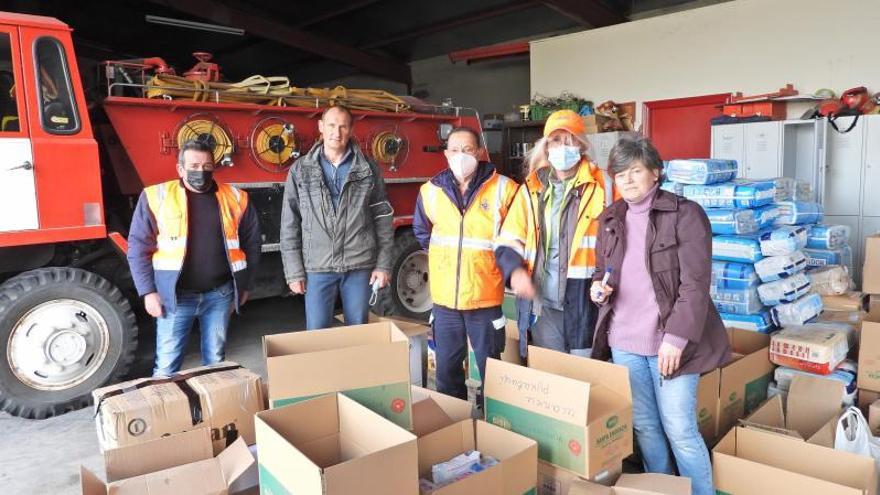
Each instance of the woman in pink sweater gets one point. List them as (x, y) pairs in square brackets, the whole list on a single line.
[(656, 316)]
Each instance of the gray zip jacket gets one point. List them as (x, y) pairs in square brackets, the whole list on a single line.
[(316, 237)]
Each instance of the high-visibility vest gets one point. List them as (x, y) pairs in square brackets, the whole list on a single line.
[(462, 273), (521, 230), (167, 202)]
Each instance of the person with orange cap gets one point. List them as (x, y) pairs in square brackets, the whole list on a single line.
[(546, 247)]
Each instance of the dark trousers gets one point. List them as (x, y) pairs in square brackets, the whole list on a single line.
[(452, 329)]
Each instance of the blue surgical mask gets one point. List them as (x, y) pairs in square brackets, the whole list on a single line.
[(564, 157)]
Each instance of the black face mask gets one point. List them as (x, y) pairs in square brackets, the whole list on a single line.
[(200, 180)]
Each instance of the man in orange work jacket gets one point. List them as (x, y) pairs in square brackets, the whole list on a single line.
[(546, 247), (457, 217), (193, 249)]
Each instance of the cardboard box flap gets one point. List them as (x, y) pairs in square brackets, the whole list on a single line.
[(652, 483), (770, 416), (825, 435), (235, 460), (90, 484), (331, 338), (409, 326), (444, 444), (612, 376), (499, 442), (319, 413), (796, 456), (372, 432), (580, 487), (155, 455), (197, 478), (811, 402), (746, 341), (523, 387), (432, 410)]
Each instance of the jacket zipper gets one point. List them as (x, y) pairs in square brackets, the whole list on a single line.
[(650, 269), (463, 211)]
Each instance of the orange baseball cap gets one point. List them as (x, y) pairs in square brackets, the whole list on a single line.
[(564, 119)]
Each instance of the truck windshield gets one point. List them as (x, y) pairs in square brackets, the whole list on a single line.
[(57, 106)]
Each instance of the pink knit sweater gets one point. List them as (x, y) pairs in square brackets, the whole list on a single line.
[(635, 319)]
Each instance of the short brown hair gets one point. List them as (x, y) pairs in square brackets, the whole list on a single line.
[(631, 149), (467, 130)]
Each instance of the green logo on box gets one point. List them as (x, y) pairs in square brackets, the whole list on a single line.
[(756, 393), (732, 397), (389, 401), (703, 413), (612, 422), (269, 485)]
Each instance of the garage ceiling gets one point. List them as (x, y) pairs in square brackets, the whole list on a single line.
[(318, 41)]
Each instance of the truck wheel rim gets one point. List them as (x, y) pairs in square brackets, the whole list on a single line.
[(58, 345), (412, 283)]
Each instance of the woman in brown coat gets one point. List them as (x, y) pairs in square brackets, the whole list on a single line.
[(656, 316)]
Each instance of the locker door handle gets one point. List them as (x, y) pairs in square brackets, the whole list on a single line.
[(26, 166)]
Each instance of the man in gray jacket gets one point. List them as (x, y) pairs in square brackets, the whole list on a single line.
[(336, 225)]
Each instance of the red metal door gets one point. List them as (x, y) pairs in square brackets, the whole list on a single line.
[(680, 128)]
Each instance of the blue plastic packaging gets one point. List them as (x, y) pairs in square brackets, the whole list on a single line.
[(759, 322), (738, 301), (701, 171), (775, 268), (739, 249), (823, 257), (798, 213), (828, 236), (732, 221), (673, 187), (728, 275), (799, 312), (783, 240), (731, 194), (784, 291)]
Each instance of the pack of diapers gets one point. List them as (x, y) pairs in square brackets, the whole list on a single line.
[(729, 275), (799, 312), (828, 236), (738, 301), (740, 249), (784, 240), (701, 171), (759, 322), (798, 213), (731, 194), (784, 291), (775, 268)]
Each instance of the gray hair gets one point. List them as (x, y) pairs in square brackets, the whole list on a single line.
[(195, 145), (631, 149)]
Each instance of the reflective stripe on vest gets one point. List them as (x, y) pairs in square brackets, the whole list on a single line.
[(167, 202)]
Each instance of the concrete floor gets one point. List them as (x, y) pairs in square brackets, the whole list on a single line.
[(44, 456)]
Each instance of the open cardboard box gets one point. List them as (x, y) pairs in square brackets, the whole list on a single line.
[(517, 456), (579, 410), (432, 410), (813, 407), (178, 463), (369, 363), (751, 461), (636, 484), (742, 382), (333, 445), (144, 409), (871, 272)]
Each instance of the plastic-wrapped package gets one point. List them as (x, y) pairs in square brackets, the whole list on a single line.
[(846, 373), (731, 194), (701, 171), (737, 301), (732, 221), (798, 213), (739, 249), (799, 312), (783, 240), (788, 189), (759, 322), (824, 257), (774, 268), (783, 291), (831, 280), (828, 236), (816, 348), (673, 187), (728, 275)]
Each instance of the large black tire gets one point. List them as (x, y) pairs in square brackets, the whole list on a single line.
[(405, 295), (93, 299)]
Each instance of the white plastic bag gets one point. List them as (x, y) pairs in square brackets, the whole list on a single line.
[(853, 435)]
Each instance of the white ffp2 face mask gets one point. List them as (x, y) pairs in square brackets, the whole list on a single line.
[(564, 157), (462, 165)]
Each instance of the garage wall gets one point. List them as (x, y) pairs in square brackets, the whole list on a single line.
[(490, 87), (753, 46)]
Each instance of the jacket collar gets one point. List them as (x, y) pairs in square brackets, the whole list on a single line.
[(663, 201), (538, 179), (359, 163)]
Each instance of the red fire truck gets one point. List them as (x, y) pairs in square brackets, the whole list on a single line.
[(71, 170)]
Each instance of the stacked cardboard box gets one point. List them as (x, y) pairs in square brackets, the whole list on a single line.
[(636, 484)]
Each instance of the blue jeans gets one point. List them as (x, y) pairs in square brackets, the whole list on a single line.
[(322, 289), (212, 309), (664, 416), (452, 329)]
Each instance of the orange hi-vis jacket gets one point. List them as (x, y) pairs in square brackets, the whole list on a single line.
[(167, 203), (461, 259)]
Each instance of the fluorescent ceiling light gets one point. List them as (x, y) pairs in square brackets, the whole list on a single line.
[(201, 26)]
